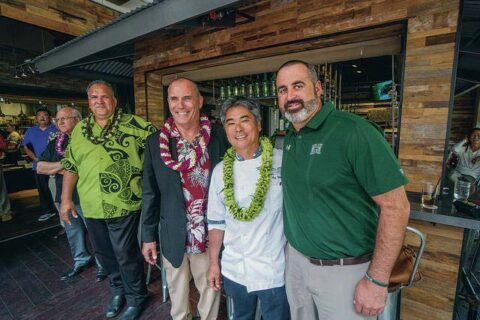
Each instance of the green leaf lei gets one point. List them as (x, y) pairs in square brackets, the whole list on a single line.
[(250, 213), (107, 132)]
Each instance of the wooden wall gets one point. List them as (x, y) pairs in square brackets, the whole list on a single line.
[(73, 17), (433, 297)]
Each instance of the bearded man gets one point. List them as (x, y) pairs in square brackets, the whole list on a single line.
[(345, 207)]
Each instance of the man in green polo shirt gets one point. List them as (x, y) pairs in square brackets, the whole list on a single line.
[(345, 207), (105, 158)]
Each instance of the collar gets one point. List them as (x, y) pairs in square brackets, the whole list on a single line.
[(256, 154), (318, 119)]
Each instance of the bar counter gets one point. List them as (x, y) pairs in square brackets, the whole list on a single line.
[(446, 214)]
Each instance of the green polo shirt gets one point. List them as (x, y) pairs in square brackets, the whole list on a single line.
[(110, 173), (331, 169)]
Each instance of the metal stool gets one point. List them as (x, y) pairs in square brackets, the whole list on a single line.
[(159, 266), (392, 307)]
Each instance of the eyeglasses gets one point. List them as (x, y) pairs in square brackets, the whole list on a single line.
[(63, 119)]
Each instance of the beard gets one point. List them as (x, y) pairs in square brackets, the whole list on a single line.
[(301, 114)]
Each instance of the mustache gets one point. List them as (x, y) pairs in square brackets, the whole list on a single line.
[(290, 102)]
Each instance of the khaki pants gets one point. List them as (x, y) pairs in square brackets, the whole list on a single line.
[(325, 293), (178, 281)]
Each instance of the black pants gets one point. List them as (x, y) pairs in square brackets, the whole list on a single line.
[(116, 246), (46, 200)]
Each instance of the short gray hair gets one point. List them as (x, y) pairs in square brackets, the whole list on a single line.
[(310, 67), (76, 113), (248, 103), (102, 82)]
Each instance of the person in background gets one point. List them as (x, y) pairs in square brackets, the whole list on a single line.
[(245, 215), (466, 157), (34, 143), (345, 207), (14, 141), (5, 208), (178, 163), (105, 156), (49, 163)]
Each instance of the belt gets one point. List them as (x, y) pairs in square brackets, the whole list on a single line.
[(342, 262)]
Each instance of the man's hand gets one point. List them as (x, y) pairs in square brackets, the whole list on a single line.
[(214, 277), (149, 251), (369, 298), (66, 208)]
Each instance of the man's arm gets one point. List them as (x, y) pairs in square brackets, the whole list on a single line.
[(30, 153), (394, 213), (67, 206), (45, 167), (215, 240)]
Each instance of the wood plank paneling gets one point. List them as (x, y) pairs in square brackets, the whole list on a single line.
[(433, 296), (73, 17)]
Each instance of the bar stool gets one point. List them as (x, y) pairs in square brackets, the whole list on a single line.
[(392, 307)]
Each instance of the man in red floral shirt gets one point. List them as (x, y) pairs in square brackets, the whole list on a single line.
[(178, 163)]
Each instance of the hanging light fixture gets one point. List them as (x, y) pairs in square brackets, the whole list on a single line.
[(22, 115)]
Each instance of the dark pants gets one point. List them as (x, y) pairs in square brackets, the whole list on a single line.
[(273, 302), (46, 200), (116, 247)]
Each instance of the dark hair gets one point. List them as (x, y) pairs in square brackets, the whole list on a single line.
[(43, 110), (472, 131), (102, 82), (250, 104), (310, 67)]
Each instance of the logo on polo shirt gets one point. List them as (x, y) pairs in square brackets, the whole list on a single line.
[(316, 148), (288, 147)]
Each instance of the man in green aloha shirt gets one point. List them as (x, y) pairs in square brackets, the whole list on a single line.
[(105, 158), (345, 207)]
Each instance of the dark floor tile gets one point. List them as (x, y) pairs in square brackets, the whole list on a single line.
[(4, 313), (11, 294)]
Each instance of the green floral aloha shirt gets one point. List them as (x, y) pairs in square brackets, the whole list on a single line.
[(109, 173)]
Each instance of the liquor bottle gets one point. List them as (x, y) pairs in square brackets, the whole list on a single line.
[(222, 91), (242, 89), (250, 89), (229, 89), (265, 86), (256, 87), (273, 87), (236, 88)]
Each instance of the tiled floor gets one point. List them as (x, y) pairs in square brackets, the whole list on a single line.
[(30, 285)]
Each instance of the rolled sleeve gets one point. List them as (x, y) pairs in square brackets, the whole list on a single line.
[(68, 162), (217, 210)]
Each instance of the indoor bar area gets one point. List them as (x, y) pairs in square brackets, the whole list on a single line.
[(410, 68)]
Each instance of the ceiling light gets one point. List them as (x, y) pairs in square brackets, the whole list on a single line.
[(359, 71), (354, 65)]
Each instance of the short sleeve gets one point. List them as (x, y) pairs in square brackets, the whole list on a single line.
[(373, 161), (216, 211), (68, 162)]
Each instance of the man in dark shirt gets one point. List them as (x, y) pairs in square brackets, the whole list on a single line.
[(49, 164)]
